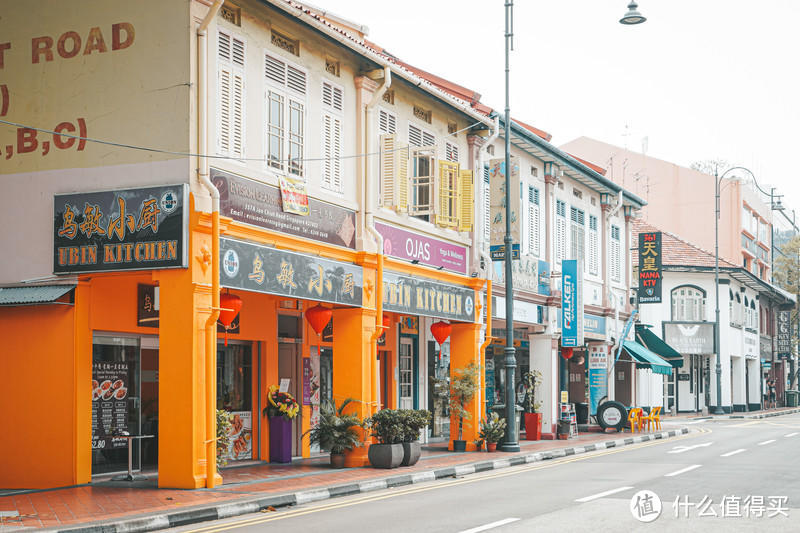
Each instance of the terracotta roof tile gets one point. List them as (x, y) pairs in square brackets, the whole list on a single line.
[(675, 251), (600, 170)]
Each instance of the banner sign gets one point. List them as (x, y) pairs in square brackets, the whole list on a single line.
[(257, 268), (259, 204), (241, 436), (594, 324), (489, 364), (598, 375), (110, 382), (650, 274), (690, 338), (147, 304), (571, 303), (524, 273), (129, 229), (784, 339), (419, 296), (427, 251), (497, 204), (294, 195)]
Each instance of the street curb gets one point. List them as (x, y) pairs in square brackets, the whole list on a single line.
[(768, 414), (253, 505)]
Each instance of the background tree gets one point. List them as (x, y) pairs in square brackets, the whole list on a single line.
[(787, 277), (708, 166)]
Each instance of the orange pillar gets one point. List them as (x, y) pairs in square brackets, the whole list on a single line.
[(465, 343), (185, 301), (353, 367), (83, 384)]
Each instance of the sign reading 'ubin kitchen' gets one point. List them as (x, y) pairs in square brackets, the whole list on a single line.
[(418, 296), (650, 267), (571, 303), (131, 229)]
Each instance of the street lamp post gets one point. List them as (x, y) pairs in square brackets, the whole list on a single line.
[(511, 439)]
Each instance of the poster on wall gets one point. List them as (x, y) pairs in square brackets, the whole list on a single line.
[(598, 375), (294, 196), (109, 404), (241, 436)]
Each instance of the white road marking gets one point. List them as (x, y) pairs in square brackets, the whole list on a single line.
[(734, 452), (682, 470), (601, 494), (681, 449), (791, 434), (490, 526), (766, 442)]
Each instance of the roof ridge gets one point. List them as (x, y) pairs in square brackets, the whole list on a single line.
[(684, 241)]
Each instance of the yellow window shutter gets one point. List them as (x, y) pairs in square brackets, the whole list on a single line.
[(466, 200), (447, 201), (401, 176), (387, 168)]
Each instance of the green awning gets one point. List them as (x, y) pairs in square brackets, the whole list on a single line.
[(34, 294), (646, 358), (655, 344)]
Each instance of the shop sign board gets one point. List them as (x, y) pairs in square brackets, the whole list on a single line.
[(525, 312), (524, 274), (257, 268), (497, 205), (427, 251), (571, 303), (690, 338), (423, 297), (260, 204), (684, 377), (650, 274), (129, 229), (240, 434), (147, 305), (594, 324), (110, 403), (543, 275), (598, 375), (784, 338)]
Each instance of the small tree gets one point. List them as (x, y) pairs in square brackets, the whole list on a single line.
[(463, 387), (787, 276), (531, 380), (223, 437)]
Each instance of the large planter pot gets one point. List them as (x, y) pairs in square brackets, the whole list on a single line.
[(533, 426), (459, 445), (385, 455), (337, 460), (411, 453), (280, 440)]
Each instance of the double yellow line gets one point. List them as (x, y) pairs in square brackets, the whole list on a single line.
[(472, 479)]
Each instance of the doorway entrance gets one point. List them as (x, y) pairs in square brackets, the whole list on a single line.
[(289, 369)]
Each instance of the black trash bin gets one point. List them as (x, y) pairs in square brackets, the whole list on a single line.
[(582, 413)]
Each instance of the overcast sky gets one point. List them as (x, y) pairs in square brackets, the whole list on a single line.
[(701, 79)]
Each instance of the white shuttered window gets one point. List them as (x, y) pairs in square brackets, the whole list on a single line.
[(534, 221), (561, 230), (577, 234), (286, 115), (593, 246), (487, 207), (333, 106), (230, 95), (616, 255)]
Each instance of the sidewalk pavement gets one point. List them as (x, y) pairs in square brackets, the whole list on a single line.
[(117, 506), (766, 413)]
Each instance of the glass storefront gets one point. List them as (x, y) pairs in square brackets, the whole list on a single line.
[(438, 389), (235, 395)]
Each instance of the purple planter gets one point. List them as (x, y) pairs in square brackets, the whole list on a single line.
[(280, 440)]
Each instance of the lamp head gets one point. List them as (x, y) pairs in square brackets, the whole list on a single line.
[(632, 16)]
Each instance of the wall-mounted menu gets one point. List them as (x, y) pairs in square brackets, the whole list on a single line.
[(109, 404)]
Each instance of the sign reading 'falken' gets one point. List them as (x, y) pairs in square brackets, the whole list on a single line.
[(650, 274), (129, 229)]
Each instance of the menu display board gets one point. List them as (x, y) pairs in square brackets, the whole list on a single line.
[(110, 383), (241, 436)]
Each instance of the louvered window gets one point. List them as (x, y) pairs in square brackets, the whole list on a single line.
[(534, 222), (616, 254), (332, 96), (230, 95), (286, 115), (487, 206), (451, 152), (420, 137), (387, 122), (561, 230), (394, 172), (593, 246), (423, 183), (448, 214), (332, 148), (577, 233)]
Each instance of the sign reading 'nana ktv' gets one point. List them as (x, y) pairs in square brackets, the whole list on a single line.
[(257, 268), (418, 296), (130, 229), (650, 274)]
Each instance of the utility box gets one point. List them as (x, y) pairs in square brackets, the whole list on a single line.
[(792, 398)]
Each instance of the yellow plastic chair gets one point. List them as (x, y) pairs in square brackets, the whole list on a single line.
[(657, 417), (654, 418), (635, 419)]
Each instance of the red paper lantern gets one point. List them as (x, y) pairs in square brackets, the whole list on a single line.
[(566, 353), (441, 330), (230, 305), (318, 317)]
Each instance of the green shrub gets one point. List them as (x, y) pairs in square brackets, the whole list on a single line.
[(336, 431)]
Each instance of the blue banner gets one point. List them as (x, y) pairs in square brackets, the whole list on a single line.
[(571, 304), (598, 375)]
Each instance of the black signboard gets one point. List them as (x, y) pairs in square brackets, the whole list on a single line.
[(130, 229), (110, 382), (650, 274), (784, 338), (257, 268), (684, 377), (147, 306), (418, 296), (260, 204)]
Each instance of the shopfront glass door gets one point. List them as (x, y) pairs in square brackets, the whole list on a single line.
[(406, 374), (116, 403), (235, 395), (288, 368)]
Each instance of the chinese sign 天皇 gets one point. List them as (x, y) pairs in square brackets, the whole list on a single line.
[(650, 267), (132, 229), (253, 267)]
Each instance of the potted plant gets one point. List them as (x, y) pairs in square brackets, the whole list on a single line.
[(533, 419), (413, 421), (463, 387), (336, 432), (492, 430), (387, 427), (223, 437), (281, 409)]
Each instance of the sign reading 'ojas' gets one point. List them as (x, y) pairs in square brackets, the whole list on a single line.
[(425, 250)]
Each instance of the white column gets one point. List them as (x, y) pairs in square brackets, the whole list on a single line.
[(544, 358)]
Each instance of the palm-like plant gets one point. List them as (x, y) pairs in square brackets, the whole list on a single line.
[(336, 431)]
